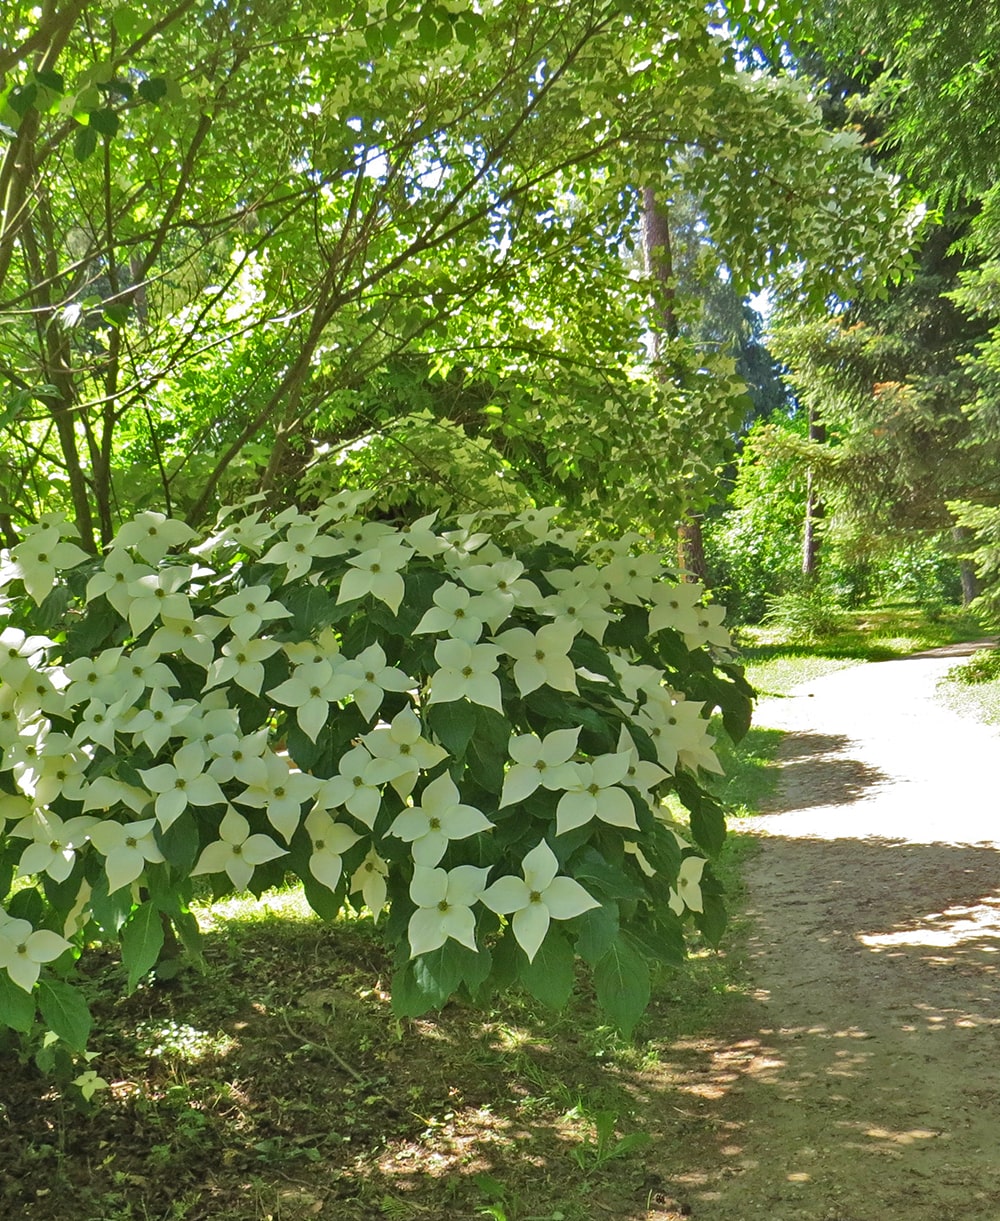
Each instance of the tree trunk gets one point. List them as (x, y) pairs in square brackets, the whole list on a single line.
[(815, 509), (659, 259), (971, 587)]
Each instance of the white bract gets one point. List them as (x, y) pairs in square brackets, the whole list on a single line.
[(537, 897), (126, 847), (540, 657), (596, 793), (687, 893), (401, 743), (23, 950), (467, 672), (441, 817), (236, 852), (330, 840), (539, 763), (444, 900)]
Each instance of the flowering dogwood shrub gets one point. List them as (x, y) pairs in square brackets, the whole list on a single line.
[(468, 733)]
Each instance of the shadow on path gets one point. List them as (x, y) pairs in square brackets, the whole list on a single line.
[(817, 770), (862, 1082)]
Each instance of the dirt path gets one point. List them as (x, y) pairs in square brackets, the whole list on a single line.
[(867, 1086)]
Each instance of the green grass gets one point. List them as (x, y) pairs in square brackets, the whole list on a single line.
[(972, 688)]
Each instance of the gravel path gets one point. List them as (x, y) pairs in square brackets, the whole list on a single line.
[(867, 1084)]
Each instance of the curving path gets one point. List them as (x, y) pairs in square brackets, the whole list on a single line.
[(866, 1083)]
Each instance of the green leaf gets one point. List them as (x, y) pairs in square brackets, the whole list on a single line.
[(65, 1012), (51, 80), (129, 22), (110, 911), (549, 977), (21, 98), (596, 931), (622, 982), (141, 941), (313, 608), (17, 1007), (190, 934), (154, 89), (84, 143), (439, 973), (94, 630), (708, 819), (180, 842), (453, 724), (713, 920), (104, 121), (408, 998)]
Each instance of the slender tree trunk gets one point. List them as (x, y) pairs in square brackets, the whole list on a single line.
[(815, 509), (659, 259), (971, 587)]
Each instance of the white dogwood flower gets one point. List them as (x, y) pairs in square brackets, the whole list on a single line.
[(540, 657), (242, 662), (157, 595), (126, 847), (441, 817), (444, 900), (153, 535), (455, 612), (537, 898), (376, 572), (248, 609), (595, 793), (357, 785), (687, 893), (181, 783), (401, 743), (281, 792), (539, 762), (467, 672), (330, 840), (38, 556), (55, 843), (368, 880), (236, 852), (24, 949)]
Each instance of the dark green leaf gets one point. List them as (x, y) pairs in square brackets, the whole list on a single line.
[(708, 820), (180, 843), (93, 631), (549, 976), (51, 614), (453, 724), (622, 982), (141, 941), (439, 973), (596, 930), (408, 998), (27, 905), (713, 920), (17, 1007), (110, 911), (104, 122), (153, 90), (65, 1012), (84, 143), (51, 80), (21, 98)]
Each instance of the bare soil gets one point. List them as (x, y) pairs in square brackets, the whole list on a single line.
[(863, 1080)]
